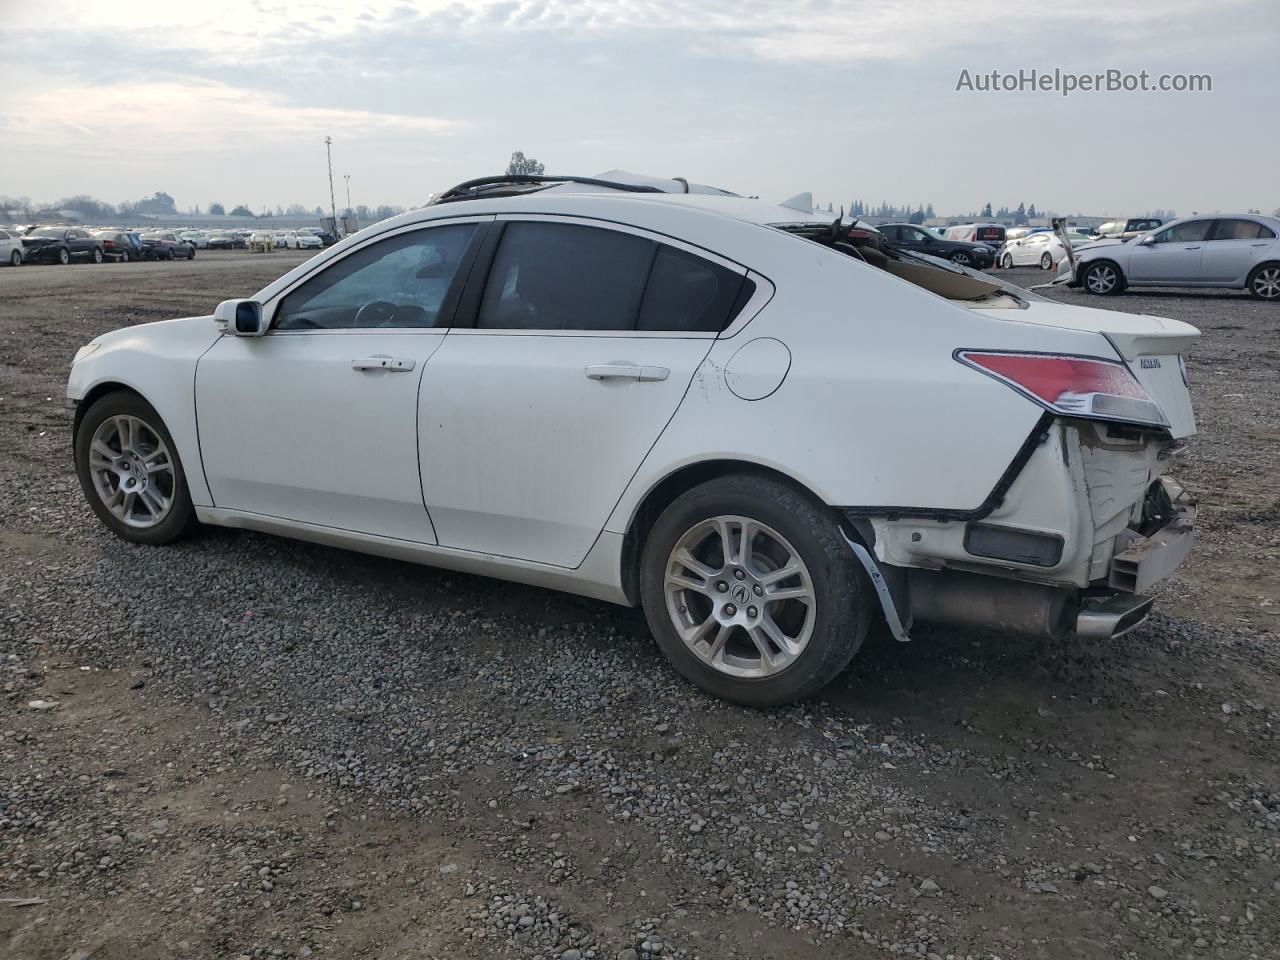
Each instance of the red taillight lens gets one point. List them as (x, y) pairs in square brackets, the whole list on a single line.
[(1071, 386)]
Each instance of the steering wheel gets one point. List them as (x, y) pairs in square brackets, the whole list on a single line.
[(375, 313)]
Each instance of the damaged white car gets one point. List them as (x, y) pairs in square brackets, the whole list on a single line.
[(767, 428)]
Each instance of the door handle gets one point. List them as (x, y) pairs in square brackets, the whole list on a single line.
[(626, 371), (389, 364), (1196, 247), (1264, 243)]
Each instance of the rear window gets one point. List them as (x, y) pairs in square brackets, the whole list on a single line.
[(990, 233)]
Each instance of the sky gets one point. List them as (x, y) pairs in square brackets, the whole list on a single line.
[(230, 101)]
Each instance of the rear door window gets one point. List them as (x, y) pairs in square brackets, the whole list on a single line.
[(688, 294), (1241, 230), (565, 276)]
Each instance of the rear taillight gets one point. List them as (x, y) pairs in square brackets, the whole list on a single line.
[(1086, 387)]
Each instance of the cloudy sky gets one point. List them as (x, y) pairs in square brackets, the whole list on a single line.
[(230, 101)]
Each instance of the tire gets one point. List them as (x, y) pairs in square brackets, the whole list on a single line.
[(1264, 281), (788, 527), (97, 255), (1046, 261), (1103, 278), (64, 256), (191, 254), (1007, 262), (135, 519), (960, 258), (15, 258), (124, 256)]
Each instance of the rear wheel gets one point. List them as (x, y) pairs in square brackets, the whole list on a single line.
[(124, 256), (1103, 279), (1264, 282), (130, 472), (752, 592), (15, 258), (191, 253), (97, 255)]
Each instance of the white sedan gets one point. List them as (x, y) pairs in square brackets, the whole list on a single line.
[(296, 240), (707, 405), (1037, 249)]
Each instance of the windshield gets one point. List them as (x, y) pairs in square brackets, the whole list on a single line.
[(47, 232)]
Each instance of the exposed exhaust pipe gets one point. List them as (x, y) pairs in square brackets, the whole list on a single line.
[(1113, 617), (992, 603)]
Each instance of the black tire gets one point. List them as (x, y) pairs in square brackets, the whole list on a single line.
[(1095, 277), (15, 258), (1263, 280), (962, 259), (1046, 261), (181, 515), (841, 593), (97, 255), (124, 256), (64, 256), (1007, 263), (191, 253)]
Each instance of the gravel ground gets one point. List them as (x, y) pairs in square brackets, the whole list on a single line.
[(241, 746)]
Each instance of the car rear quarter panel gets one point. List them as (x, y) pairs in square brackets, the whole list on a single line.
[(874, 411), (157, 361)]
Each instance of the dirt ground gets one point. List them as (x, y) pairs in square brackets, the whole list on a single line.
[(240, 746)]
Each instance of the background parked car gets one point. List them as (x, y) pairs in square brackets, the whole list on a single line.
[(1236, 252), (197, 238), (1128, 229), (297, 240), (908, 236), (1042, 249), (60, 245), (167, 246), (10, 248), (992, 234), (120, 245), (221, 240)]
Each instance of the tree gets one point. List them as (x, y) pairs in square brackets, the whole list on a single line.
[(158, 202), (928, 211), (296, 210), (242, 211), (88, 207), (1031, 211), (522, 166), (217, 210), (986, 211)]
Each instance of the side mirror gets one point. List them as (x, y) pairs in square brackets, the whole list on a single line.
[(241, 318), (1147, 241)]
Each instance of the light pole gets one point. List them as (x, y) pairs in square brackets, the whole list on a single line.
[(333, 204), (347, 177)]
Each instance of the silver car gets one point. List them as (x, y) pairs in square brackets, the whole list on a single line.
[(1239, 252)]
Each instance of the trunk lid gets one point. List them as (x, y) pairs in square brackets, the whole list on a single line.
[(1151, 346)]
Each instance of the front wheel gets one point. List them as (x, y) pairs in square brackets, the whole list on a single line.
[(64, 256), (130, 472), (752, 592), (124, 256), (15, 258), (97, 256), (191, 254), (1046, 261), (1007, 262), (962, 259), (1103, 279), (1264, 282)]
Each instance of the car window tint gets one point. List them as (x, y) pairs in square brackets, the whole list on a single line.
[(1240, 230), (688, 293), (892, 234), (1190, 232), (404, 277), (562, 276)]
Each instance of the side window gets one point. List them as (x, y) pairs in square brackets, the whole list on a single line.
[(564, 276), (1241, 230), (397, 282), (892, 234), (1190, 232), (688, 294)]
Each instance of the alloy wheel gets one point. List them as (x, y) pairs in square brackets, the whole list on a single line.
[(962, 259), (1267, 283), (132, 471), (1101, 279), (740, 596)]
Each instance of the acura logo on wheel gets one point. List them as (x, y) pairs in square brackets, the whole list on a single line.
[(741, 594)]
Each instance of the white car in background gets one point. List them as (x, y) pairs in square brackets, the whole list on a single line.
[(654, 393), (296, 240), (10, 248), (1238, 252), (197, 238)]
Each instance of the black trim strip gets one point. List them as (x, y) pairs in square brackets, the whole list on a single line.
[(1039, 433)]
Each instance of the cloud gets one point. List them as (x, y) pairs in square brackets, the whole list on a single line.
[(178, 117)]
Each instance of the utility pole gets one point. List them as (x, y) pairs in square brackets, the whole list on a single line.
[(347, 177), (333, 204)]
